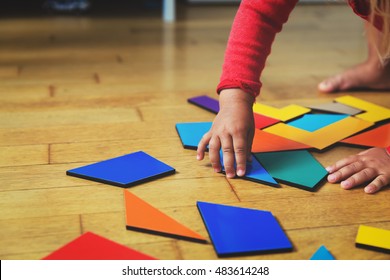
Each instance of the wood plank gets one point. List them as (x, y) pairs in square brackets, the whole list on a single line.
[(24, 155), (33, 237)]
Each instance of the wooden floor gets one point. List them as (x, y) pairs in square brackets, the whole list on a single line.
[(76, 90)]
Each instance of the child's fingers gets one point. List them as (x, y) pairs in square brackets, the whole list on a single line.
[(342, 163), (228, 156), (214, 148), (202, 146), (358, 178), (240, 153), (377, 184), (249, 145), (345, 171)]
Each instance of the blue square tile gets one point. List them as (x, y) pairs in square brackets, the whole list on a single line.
[(240, 231), (124, 171)]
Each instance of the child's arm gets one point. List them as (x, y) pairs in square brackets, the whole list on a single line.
[(253, 31), (371, 166)]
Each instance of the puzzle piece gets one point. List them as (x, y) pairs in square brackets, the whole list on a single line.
[(284, 114), (335, 107), (262, 121), (322, 254), (373, 238), (324, 137), (143, 217), (238, 231), (313, 122), (191, 133), (296, 168), (205, 102), (377, 137), (373, 112), (255, 172), (90, 246), (268, 142), (124, 171)]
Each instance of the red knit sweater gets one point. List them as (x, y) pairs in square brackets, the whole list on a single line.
[(252, 34)]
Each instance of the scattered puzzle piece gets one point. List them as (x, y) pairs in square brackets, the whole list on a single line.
[(373, 238), (191, 133), (335, 107), (373, 112), (322, 254), (262, 121), (377, 137), (143, 217), (284, 114), (124, 171), (255, 172), (239, 231), (313, 122), (268, 142), (205, 102), (324, 137), (90, 246), (296, 168)]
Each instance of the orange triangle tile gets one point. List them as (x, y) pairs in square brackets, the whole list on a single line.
[(141, 216), (268, 142), (377, 137)]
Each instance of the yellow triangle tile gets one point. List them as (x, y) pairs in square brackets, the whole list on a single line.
[(323, 137), (284, 114), (373, 237), (373, 112)]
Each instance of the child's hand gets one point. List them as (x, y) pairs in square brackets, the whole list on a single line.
[(370, 165), (232, 131)]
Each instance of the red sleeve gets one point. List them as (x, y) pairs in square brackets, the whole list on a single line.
[(388, 150), (253, 32), (363, 10)]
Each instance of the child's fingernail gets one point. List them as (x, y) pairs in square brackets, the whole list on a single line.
[(240, 172), (331, 177), (345, 184), (370, 189), (329, 169)]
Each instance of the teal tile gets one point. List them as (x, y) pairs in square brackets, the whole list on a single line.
[(296, 168)]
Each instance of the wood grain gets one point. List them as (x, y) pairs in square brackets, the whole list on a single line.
[(77, 90)]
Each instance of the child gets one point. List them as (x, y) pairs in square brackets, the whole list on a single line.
[(253, 31)]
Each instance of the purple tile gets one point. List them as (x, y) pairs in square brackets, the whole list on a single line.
[(205, 102)]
